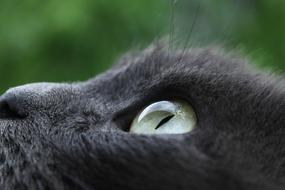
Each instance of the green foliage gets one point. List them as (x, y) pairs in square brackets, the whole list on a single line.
[(73, 40), (255, 28), (70, 40)]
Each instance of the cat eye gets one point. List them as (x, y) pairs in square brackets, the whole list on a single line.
[(165, 117)]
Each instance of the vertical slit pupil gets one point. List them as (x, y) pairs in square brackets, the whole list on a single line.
[(163, 121)]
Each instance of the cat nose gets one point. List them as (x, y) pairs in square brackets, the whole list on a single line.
[(21, 101), (11, 106)]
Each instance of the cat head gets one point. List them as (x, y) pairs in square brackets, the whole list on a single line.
[(76, 136)]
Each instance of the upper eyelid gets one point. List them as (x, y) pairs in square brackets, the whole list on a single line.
[(125, 116)]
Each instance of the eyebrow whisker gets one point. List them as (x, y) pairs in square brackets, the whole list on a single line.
[(190, 32), (172, 26)]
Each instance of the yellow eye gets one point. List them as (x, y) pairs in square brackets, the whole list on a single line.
[(165, 117)]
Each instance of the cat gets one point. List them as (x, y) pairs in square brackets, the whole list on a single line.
[(76, 136)]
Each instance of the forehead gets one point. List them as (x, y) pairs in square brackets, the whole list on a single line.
[(159, 65), (220, 86), (158, 69)]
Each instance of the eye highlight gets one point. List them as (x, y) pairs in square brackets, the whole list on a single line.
[(165, 117)]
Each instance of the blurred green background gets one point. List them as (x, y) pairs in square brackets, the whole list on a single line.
[(59, 40)]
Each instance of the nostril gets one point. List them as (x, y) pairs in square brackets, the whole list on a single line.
[(8, 110)]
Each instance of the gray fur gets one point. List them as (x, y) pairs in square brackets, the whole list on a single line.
[(75, 136)]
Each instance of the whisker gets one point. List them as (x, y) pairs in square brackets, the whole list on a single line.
[(190, 32), (226, 28), (172, 25)]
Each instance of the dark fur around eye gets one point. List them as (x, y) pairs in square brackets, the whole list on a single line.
[(75, 135)]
